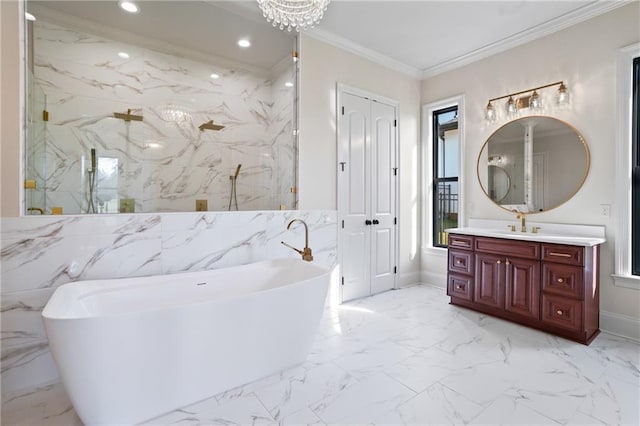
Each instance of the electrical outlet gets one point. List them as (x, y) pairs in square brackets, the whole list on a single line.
[(201, 205), (605, 210)]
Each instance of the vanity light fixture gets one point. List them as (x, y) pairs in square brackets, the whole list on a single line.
[(531, 100), (243, 42), (563, 95), (128, 6)]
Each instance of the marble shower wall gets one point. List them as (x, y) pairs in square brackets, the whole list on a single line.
[(40, 253), (164, 162)]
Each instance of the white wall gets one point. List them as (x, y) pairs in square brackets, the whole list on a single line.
[(322, 66), (584, 56)]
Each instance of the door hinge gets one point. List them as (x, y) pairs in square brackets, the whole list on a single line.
[(342, 280), (342, 163), (395, 123), (342, 110), (45, 115), (395, 269), (395, 220), (343, 224), (395, 171)]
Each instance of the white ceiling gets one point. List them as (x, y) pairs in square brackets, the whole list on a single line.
[(420, 38)]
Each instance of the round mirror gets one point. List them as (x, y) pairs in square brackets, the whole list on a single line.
[(533, 164)]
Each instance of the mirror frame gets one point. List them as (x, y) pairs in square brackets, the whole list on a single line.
[(580, 185)]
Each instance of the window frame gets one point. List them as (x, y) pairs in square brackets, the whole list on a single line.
[(635, 169), (427, 171), (436, 181), (623, 276)]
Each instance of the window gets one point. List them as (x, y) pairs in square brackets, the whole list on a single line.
[(445, 172), (627, 183), (635, 170)]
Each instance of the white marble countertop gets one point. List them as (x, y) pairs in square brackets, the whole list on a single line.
[(555, 233)]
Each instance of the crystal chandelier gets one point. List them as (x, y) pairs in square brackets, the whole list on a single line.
[(298, 14)]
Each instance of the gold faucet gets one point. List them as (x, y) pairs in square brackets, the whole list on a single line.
[(35, 209), (523, 226), (306, 252)]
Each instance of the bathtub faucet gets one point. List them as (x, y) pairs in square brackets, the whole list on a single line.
[(306, 252)]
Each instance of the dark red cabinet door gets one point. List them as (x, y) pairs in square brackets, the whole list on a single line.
[(489, 280), (522, 287)]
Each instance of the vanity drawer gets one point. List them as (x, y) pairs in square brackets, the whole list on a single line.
[(461, 261), (510, 248), (460, 286), (563, 280), (463, 242), (562, 312), (569, 255)]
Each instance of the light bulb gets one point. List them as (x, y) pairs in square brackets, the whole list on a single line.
[(534, 101), (512, 109), (490, 113), (563, 95)]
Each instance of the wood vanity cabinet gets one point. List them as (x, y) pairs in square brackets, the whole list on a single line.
[(550, 287)]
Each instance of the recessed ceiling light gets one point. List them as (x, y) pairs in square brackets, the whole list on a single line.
[(128, 6), (29, 17), (123, 55), (243, 42), (214, 75), (288, 84)]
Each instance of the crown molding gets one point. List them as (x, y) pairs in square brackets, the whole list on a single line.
[(582, 14), (364, 52), (554, 25)]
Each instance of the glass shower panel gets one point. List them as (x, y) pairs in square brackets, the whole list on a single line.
[(36, 149)]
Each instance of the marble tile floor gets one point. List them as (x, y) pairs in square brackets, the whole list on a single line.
[(408, 357)]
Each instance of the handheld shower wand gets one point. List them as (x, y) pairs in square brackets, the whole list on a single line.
[(234, 196), (91, 207)]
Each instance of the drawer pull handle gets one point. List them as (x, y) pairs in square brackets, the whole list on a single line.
[(559, 254), (458, 243), (507, 262), (560, 280), (499, 262), (459, 287), (559, 312), (458, 262)]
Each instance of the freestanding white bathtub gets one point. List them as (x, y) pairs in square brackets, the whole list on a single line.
[(132, 349)]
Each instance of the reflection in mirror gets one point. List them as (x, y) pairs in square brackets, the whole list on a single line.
[(499, 183), (533, 164), (158, 111)]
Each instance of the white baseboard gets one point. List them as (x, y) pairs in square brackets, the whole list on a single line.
[(438, 280), (620, 325), (409, 278)]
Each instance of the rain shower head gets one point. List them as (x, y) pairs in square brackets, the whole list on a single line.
[(210, 126), (127, 116)]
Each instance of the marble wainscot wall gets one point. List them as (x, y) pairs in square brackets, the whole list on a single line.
[(164, 162), (40, 253)]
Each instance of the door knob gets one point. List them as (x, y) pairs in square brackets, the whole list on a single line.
[(376, 221), (367, 222)]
